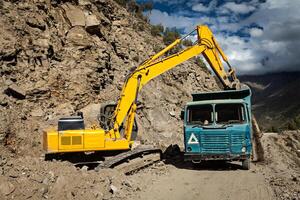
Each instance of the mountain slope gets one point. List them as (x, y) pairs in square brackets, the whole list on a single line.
[(275, 97), (57, 57)]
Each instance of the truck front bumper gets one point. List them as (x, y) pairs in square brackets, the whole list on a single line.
[(201, 157)]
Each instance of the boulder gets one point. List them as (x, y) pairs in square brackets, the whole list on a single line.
[(90, 114), (78, 37), (36, 21), (74, 14), (92, 24), (84, 2), (44, 43), (15, 91), (113, 189), (38, 112)]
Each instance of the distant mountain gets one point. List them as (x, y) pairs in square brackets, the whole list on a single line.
[(276, 98)]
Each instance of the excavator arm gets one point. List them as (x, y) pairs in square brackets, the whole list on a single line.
[(71, 135), (157, 65), (117, 127)]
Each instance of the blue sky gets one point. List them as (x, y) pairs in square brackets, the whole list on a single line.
[(258, 36)]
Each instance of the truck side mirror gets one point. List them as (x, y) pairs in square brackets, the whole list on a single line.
[(182, 115)]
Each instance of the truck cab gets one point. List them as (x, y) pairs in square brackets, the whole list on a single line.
[(217, 126)]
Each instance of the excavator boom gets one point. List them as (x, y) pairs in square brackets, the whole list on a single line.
[(156, 65), (71, 135)]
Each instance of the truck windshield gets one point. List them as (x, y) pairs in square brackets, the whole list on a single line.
[(200, 114), (230, 113)]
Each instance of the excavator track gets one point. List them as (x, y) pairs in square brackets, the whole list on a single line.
[(133, 160)]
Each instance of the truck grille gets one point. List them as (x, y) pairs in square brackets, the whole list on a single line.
[(215, 142), (237, 138), (222, 142)]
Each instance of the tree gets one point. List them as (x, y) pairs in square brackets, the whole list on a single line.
[(291, 125), (133, 7), (297, 121), (170, 35), (121, 2), (200, 62), (187, 42), (157, 30), (147, 6)]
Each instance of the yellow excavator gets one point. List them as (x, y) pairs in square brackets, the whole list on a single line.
[(118, 127)]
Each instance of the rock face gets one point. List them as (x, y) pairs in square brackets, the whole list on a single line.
[(58, 57)]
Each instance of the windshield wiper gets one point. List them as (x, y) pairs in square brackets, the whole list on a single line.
[(197, 125), (230, 122), (226, 125)]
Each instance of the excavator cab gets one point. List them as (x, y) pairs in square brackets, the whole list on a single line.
[(106, 112), (71, 123)]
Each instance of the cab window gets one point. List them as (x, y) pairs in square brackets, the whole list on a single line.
[(200, 114), (230, 113)]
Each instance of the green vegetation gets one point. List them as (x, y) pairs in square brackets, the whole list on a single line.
[(170, 35), (157, 30), (147, 6), (135, 8), (293, 124), (187, 42), (274, 129)]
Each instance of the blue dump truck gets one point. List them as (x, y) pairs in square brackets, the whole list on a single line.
[(217, 126)]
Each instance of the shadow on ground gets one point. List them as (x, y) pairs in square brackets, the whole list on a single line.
[(174, 156)]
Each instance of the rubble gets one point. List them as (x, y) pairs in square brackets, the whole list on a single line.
[(6, 187), (15, 91), (74, 14), (61, 57), (113, 189)]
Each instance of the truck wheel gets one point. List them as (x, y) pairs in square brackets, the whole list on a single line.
[(246, 164)]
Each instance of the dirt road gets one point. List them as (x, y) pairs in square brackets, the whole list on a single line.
[(276, 178), (207, 183), (27, 177)]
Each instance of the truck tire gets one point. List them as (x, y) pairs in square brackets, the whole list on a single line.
[(246, 164)]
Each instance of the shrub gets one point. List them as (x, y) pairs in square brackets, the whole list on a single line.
[(187, 42), (147, 6), (121, 2), (274, 129), (199, 62), (170, 35), (291, 125), (157, 30)]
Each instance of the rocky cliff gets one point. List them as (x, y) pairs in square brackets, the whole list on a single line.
[(59, 57)]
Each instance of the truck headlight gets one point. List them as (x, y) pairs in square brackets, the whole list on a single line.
[(244, 149)]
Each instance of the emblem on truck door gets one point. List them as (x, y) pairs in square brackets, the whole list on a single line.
[(193, 139)]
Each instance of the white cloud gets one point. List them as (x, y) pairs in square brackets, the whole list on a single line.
[(255, 32), (270, 48), (167, 20), (200, 8), (180, 22), (241, 8)]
